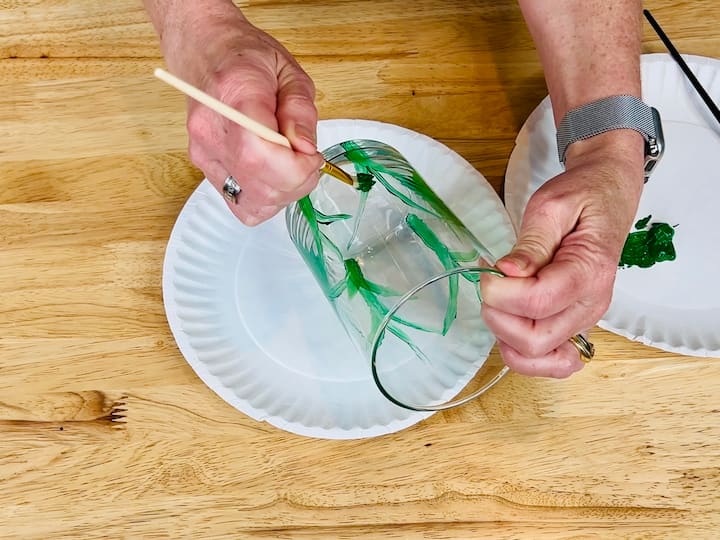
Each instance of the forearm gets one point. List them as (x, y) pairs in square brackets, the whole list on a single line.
[(590, 49), (185, 27)]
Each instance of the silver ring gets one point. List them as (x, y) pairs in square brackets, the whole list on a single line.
[(231, 190), (584, 347)]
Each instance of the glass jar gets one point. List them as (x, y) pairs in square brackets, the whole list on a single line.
[(401, 272)]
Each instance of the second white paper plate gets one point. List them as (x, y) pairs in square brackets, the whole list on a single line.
[(673, 305)]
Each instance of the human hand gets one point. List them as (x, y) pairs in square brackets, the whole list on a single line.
[(560, 274), (235, 62)]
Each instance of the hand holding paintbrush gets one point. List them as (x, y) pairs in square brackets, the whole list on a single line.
[(242, 120), (231, 189)]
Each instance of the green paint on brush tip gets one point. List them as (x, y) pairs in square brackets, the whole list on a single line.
[(649, 244), (365, 181)]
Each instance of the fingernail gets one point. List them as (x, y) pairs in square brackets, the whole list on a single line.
[(520, 261)]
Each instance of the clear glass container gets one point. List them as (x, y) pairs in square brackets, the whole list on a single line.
[(401, 272)]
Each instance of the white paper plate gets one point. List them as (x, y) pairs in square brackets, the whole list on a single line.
[(249, 318), (674, 305)]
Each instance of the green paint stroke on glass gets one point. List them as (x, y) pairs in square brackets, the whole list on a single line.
[(357, 282), (649, 244), (325, 219), (317, 248), (313, 258), (430, 239), (407, 185), (364, 183), (354, 281), (369, 292)]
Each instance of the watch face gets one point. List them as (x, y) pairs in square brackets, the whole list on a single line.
[(655, 146)]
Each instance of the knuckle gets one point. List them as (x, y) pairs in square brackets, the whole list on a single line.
[(564, 367), (234, 80), (269, 211), (598, 297), (534, 245), (543, 344), (197, 127), (546, 204), (600, 308), (301, 101), (533, 349), (301, 98), (539, 304), (294, 186), (246, 81), (307, 82), (197, 154), (247, 219), (561, 372), (304, 187), (249, 158), (270, 197)]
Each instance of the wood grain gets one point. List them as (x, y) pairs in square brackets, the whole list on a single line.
[(93, 171)]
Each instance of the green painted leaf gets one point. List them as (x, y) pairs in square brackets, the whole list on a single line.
[(404, 337), (338, 289), (355, 275), (324, 219), (430, 239)]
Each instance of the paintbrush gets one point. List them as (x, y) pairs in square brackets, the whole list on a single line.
[(683, 65), (239, 118)]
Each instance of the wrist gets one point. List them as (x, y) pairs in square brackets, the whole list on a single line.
[(624, 145), (617, 157), (616, 116), (193, 36)]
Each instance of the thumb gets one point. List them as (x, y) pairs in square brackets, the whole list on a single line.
[(296, 113), (540, 236)]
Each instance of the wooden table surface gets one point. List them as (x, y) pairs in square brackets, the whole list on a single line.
[(93, 173)]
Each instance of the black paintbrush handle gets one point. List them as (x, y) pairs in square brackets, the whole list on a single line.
[(686, 70)]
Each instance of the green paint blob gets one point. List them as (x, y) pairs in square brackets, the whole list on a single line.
[(649, 244), (364, 181), (642, 223)]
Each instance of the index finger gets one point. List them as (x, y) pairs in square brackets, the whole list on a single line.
[(281, 168), (553, 289)]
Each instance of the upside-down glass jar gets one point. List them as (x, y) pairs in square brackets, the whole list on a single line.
[(401, 272)]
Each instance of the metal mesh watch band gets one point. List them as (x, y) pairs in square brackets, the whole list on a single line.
[(614, 112)]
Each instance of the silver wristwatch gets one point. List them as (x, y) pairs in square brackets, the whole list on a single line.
[(614, 112)]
